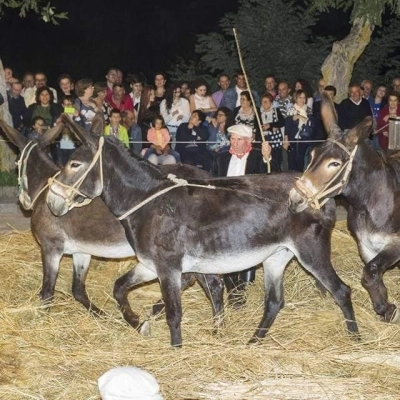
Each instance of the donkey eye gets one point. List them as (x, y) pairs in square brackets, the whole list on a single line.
[(75, 165), (334, 164)]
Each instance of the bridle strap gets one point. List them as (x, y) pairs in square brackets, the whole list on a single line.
[(22, 163), (73, 190), (313, 199)]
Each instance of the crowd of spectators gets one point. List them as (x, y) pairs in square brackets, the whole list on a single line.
[(168, 122), (231, 132)]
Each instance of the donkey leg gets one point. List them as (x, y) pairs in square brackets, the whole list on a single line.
[(51, 258), (187, 280), (274, 267), (81, 268), (319, 265), (213, 287), (372, 281), (123, 285), (170, 284)]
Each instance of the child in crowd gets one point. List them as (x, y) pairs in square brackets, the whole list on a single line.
[(116, 129), (160, 152), (66, 146), (36, 129)]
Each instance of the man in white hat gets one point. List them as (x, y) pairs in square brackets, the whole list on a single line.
[(240, 159)]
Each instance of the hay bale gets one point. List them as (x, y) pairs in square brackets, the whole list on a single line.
[(307, 355)]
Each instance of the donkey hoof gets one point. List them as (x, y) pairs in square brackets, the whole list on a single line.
[(395, 317), (144, 328)]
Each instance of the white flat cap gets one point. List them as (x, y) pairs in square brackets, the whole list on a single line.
[(241, 130), (128, 383)]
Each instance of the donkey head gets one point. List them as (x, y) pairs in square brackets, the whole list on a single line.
[(81, 178), (331, 163), (34, 164)]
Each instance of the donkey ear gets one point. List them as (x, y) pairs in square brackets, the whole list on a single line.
[(13, 135), (51, 134), (360, 132), (98, 123), (81, 133), (329, 116)]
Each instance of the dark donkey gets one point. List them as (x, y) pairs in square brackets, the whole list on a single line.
[(369, 181), (211, 226), (84, 232)]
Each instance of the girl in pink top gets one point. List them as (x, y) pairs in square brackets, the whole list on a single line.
[(159, 152)]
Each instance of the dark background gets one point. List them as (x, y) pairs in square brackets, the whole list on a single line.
[(135, 36)]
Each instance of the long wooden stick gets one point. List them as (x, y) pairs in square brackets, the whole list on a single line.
[(251, 95)]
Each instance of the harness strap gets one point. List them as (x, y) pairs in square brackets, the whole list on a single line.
[(313, 199), (22, 163), (178, 182), (74, 189)]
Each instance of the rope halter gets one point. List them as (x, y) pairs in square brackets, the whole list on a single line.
[(313, 200), (72, 191), (22, 164)]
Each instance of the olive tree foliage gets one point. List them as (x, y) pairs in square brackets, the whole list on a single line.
[(275, 37), (46, 13), (379, 61), (337, 68)]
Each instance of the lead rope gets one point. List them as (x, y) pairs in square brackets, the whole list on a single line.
[(178, 182)]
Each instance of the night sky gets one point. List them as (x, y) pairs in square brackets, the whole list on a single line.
[(135, 36)]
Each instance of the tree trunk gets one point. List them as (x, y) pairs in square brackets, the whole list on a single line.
[(7, 153), (337, 68)]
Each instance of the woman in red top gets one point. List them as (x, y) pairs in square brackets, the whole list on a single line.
[(392, 109)]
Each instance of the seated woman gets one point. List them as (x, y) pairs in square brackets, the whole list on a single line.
[(218, 130), (147, 100), (191, 140), (174, 109), (201, 99), (159, 152)]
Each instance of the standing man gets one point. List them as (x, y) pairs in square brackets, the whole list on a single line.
[(354, 109), (223, 82), (111, 79), (367, 86), (283, 102), (270, 85), (40, 81), (241, 159), (16, 104), (119, 99), (231, 97)]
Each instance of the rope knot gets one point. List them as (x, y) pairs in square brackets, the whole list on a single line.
[(177, 181)]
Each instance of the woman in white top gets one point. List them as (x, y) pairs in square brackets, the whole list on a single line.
[(201, 99), (174, 109), (302, 84)]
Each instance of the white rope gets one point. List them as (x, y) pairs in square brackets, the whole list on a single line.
[(178, 183)]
